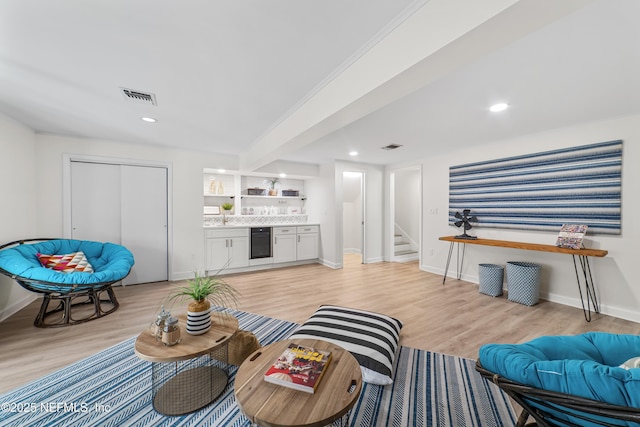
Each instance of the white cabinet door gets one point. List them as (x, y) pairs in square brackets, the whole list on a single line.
[(307, 246), (226, 249), (238, 252), (217, 253), (284, 244)]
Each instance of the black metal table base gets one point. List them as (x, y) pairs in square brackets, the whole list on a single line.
[(589, 288), (588, 298), (459, 261)]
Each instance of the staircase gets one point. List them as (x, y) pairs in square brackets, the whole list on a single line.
[(403, 249)]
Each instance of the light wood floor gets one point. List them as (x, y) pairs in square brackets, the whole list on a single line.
[(453, 319)]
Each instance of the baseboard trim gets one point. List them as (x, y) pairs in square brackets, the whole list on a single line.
[(617, 312), (333, 265), (17, 306), (184, 275)]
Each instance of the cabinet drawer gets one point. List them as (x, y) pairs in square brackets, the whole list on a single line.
[(307, 229), (227, 232), (278, 231)]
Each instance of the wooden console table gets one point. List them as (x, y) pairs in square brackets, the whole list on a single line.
[(582, 254)]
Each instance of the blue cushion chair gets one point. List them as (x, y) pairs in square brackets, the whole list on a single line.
[(110, 263), (581, 380)]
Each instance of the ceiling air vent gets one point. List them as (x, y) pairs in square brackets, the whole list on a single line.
[(391, 147), (140, 97)]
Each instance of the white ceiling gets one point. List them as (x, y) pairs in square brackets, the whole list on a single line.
[(227, 73)]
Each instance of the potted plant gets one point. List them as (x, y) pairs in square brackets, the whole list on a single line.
[(272, 184), (204, 291), (227, 207)]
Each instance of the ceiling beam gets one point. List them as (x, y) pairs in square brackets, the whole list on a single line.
[(438, 38)]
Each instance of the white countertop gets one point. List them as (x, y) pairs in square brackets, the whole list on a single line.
[(259, 225)]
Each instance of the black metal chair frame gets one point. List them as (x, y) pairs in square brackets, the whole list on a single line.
[(577, 407), (74, 297)]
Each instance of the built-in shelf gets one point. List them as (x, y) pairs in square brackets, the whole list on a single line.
[(220, 195), (233, 185)]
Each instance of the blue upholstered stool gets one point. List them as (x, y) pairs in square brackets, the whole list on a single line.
[(110, 263), (569, 380)]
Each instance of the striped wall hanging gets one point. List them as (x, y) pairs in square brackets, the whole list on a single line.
[(542, 191)]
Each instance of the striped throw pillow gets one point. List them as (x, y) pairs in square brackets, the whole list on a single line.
[(372, 338)]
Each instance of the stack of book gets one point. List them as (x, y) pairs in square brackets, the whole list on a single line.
[(571, 236), (299, 367)]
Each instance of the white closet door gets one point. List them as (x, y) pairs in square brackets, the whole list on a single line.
[(144, 221), (95, 202), (126, 205)]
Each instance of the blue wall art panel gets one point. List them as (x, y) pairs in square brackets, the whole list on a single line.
[(542, 191)]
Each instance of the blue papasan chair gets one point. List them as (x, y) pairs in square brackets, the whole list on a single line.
[(71, 273), (592, 379)]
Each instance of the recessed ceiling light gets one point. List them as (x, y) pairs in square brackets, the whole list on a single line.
[(353, 153), (149, 119), (495, 108), (283, 175), (221, 170)]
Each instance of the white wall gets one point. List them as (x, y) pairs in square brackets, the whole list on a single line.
[(33, 207), (186, 233), (18, 183), (615, 276), (321, 209)]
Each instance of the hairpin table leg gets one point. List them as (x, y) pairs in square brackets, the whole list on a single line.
[(589, 288), (459, 261)]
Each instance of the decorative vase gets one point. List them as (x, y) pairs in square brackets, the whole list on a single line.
[(220, 188), (212, 186), (198, 317), (273, 192)]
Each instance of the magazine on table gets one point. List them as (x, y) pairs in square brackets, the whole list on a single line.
[(299, 367)]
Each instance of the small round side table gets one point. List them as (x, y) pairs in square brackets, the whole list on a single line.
[(267, 404), (190, 375)]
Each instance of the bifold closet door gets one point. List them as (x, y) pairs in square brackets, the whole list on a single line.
[(126, 205), (95, 202), (144, 221)]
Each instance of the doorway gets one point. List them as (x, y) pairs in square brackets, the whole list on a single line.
[(353, 215), (406, 214)]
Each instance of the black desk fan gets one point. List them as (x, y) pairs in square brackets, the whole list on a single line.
[(464, 220)]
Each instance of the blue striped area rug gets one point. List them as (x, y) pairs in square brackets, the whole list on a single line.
[(113, 388)]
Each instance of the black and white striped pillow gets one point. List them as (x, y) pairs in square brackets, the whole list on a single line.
[(372, 338)]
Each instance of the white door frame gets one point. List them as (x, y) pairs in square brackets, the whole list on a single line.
[(66, 192), (391, 216), (363, 221)]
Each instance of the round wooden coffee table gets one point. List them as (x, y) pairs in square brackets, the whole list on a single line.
[(267, 404), (189, 375)]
